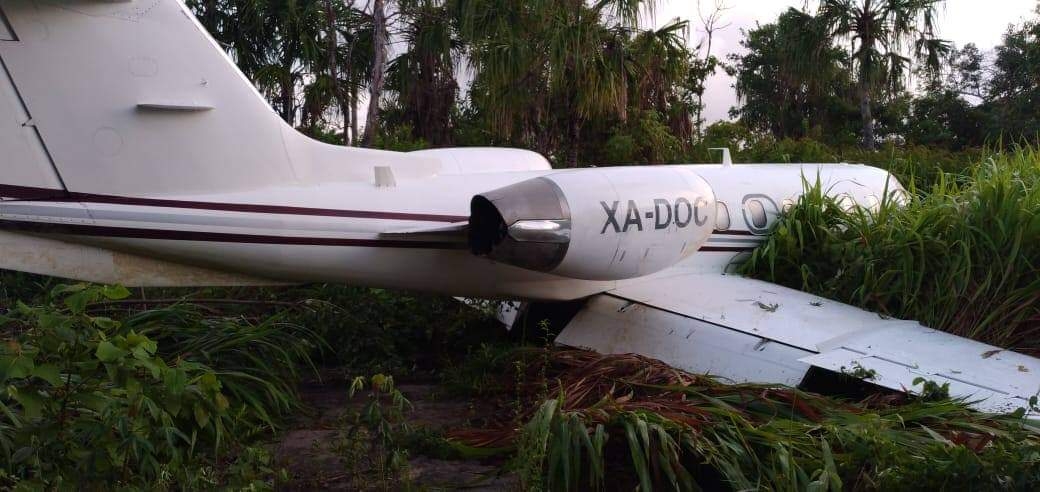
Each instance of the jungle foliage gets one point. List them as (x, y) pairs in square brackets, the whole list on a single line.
[(960, 255), (165, 398)]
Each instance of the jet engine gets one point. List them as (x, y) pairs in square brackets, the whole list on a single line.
[(595, 224)]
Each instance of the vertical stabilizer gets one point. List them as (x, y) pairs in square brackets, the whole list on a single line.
[(26, 166), (134, 97)]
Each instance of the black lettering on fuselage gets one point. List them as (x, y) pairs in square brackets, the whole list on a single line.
[(698, 204), (632, 218), (662, 220), (665, 212), (681, 204), (611, 211)]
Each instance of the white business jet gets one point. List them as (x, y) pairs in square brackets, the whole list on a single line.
[(133, 151)]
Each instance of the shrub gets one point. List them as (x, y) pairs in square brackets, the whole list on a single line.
[(159, 398)]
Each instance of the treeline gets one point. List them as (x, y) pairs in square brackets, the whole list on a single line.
[(560, 77), (584, 82), (810, 75)]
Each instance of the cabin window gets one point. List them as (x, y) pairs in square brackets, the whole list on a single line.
[(757, 212), (721, 216)]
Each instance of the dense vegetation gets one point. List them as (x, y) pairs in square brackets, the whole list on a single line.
[(961, 255), (184, 389)]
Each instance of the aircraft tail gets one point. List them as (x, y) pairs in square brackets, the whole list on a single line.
[(134, 97)]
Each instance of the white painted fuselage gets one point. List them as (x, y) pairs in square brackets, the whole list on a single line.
[(359, 232)]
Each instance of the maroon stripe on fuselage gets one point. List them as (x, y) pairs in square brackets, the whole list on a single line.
[(735, 233), (726, 249), (221, 237), (218, 237), (30, 193)]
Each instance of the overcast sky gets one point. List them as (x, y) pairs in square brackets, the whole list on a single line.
[(961, 21)]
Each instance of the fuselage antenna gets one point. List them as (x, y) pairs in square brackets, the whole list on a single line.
[(727, 161)]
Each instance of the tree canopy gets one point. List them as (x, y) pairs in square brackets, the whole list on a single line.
[(586, 82)]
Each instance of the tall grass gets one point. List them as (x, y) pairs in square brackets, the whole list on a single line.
[(961, 256)]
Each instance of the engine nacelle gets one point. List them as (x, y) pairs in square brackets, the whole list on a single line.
[(595, 224)]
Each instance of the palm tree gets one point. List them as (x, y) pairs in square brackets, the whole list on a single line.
[(659, 64), (424, 75), (881, 32), (546, 67)]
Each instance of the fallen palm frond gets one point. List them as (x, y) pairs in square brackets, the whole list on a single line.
[(682, 431)]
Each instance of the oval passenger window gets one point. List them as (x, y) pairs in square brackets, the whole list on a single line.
[(721, 216), (758, 214)]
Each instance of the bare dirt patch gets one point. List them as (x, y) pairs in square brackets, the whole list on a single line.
[(315, 453)]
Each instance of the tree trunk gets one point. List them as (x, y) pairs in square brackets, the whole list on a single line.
[(867, 115), (353, 114), (575, 144), (288, 111), (344, 108), (375, 86), (288, 88), (332, 44)]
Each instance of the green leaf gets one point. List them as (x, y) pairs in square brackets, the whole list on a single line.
[(105, 323), (49, 373), (176, 381), (201, 416), (78, 302), (106, 352), (49, 321), (66, 288), (115, 292), (15, 367), (31, 402), (221, 401)]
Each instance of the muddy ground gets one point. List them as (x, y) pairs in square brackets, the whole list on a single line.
[(318, 454)]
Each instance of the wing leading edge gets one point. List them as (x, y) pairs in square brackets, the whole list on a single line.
[(747, 330)]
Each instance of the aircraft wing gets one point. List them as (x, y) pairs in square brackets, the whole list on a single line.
[(747, 330)]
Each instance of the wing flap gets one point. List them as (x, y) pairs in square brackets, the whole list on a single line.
[(1002, 379)]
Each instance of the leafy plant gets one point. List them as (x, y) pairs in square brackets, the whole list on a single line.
[(96, 401), (371, 439)]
